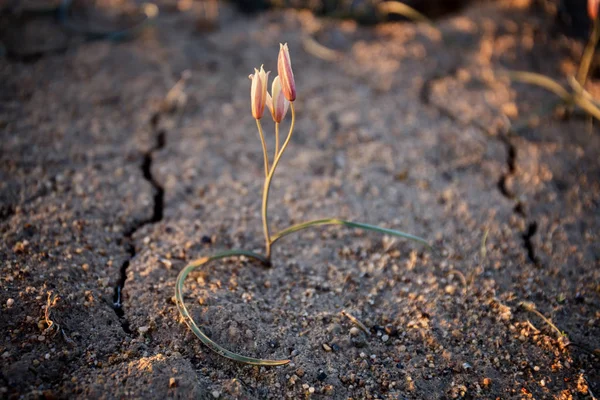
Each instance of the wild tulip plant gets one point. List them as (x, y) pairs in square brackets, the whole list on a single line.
[(282, 97)]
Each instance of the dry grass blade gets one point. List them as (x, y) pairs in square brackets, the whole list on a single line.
[(527, 306), (315, 48), (578, 97), (483, 247), (356, 321), (396, 7)]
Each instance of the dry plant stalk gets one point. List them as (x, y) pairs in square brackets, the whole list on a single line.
[(577, 96), (281, 98)]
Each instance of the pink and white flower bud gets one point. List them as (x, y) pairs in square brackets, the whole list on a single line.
[(278, 104), (593, 9), (284, 68), (258, 92)]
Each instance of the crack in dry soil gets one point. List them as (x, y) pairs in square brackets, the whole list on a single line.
[(511, 163), (6, 211), (157, 215), (519, 209)]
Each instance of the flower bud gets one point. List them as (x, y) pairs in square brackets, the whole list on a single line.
[(258, 92), (277, 103), (284, 68), (593, 9)]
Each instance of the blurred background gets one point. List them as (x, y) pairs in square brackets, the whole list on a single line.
[(30, 28)]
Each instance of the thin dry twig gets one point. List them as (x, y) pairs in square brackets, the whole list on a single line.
[(536, 330), (356, 322), (52, 325), (461, 276), (589, 388), (483, 249), (67, 338), (176, 97), (527, 306), (50, 302)]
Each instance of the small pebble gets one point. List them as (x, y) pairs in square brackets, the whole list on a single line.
[(10, 302), (385, 338), (41, 338), (536, 368), (311, 390), (216, 394), (326, 347), (362, 355), (450, 289), (206, 240), (292, 380), (143, 329), (467, 366), (354, 331), (172, 382)]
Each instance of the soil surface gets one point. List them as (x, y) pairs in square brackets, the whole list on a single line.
[(108, 182)]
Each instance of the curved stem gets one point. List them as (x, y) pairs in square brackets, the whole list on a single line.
[(542, 81), (265, 222), (287, 140), (350, 224), (192, 324), (267, 185), (583, 99), (276, 138), (264, 147), (588, 54)]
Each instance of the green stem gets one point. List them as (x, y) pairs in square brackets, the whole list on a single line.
[(267, 185), (264, 147), (192, 324), (588, 54), (350, 224), (276, 138)]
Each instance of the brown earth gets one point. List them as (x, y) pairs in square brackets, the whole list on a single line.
[(407, 130)]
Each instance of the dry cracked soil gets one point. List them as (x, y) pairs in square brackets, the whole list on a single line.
[(109, 186)]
